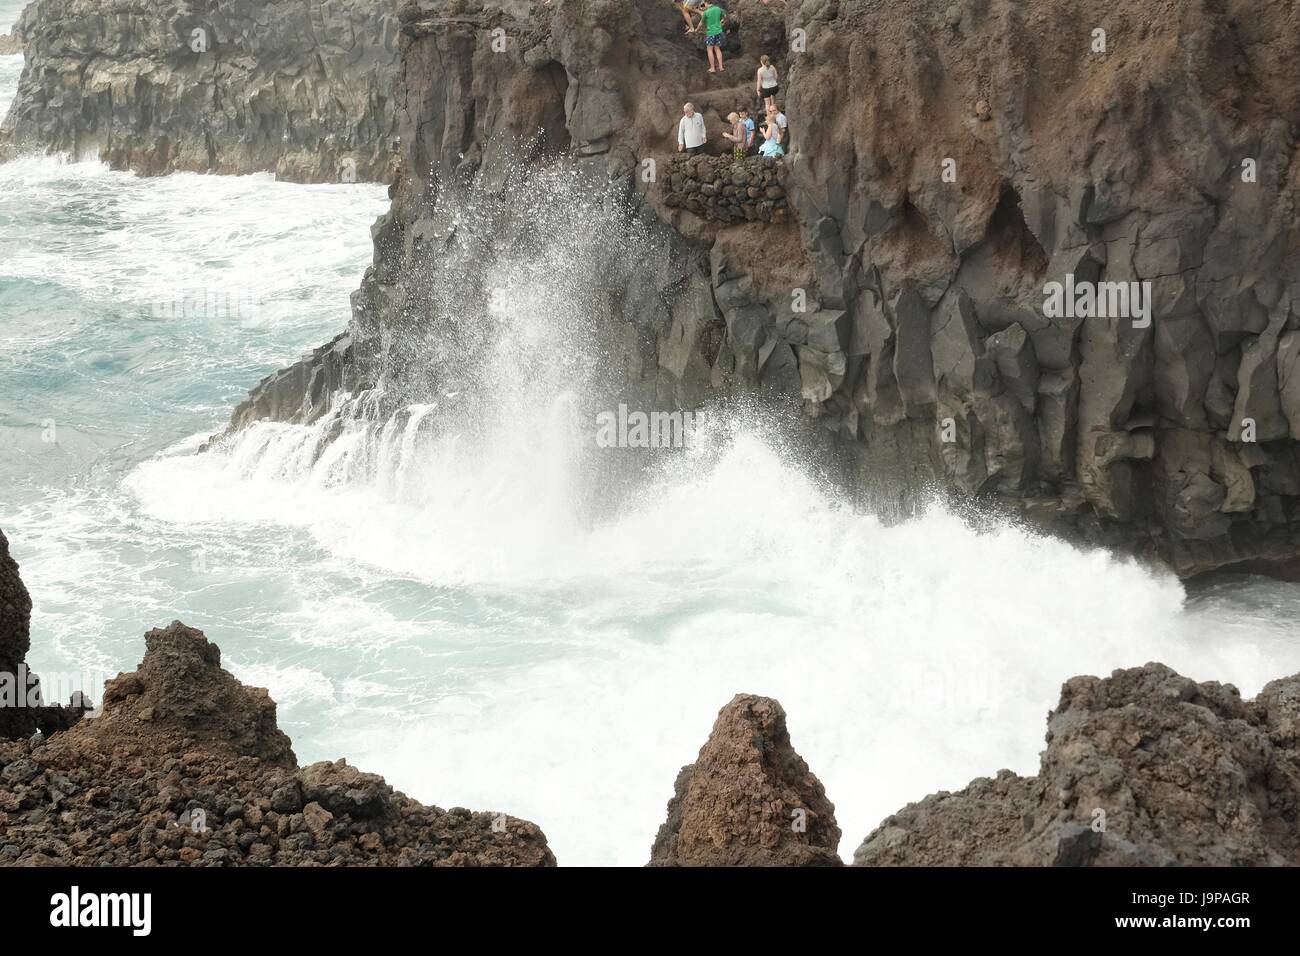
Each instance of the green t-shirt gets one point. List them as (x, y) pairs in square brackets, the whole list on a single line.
[(713, 20)]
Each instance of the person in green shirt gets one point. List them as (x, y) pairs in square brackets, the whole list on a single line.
[(712, 18)]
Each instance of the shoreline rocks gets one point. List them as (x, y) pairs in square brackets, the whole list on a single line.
[(186, 767), (1142, 768), (749, 799)]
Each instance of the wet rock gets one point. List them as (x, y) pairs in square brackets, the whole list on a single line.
[(749, 799)]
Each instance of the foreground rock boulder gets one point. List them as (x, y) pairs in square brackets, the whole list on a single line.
[(1144, 768), (749, 799), (187, 766)]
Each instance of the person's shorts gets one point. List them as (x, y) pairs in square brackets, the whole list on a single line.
[(692, 150), (713, 40), (771, 90)]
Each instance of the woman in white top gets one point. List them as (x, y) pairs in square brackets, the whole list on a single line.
[(767, 83)]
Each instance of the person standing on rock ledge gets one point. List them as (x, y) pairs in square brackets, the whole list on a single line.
[(767, 82), (691, 134), (771, 147), (739, 136), (712, 17), (687, 7)]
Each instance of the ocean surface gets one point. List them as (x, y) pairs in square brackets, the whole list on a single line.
[(444, 616)]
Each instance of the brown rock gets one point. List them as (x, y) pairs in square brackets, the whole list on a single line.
[(1142, 768), (120, 791), (749, 799)]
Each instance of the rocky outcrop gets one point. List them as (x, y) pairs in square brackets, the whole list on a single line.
[(305, 90), (994, 148), (10, 44), (186, 766), (23, 710), (749, 799), (1143, 768)]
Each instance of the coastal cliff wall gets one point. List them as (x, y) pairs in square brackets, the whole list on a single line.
[(949, 163), (302, 89)]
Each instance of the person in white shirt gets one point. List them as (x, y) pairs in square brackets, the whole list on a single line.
[(691, 134)]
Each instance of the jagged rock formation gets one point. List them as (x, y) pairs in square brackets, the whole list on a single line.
[(1143, 768), (749, 799), (949, 161), (187, 766), (302, 89), (23, 710)]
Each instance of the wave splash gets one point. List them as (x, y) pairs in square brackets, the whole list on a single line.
[(610, 618)]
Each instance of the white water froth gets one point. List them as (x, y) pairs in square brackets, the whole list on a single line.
[(436, 598), (909, 658)]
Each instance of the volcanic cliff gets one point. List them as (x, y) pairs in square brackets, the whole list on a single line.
[(304, 90), (949, 161)]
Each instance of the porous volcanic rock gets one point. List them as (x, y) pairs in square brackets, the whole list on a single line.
[(186, 766), (749, 799), (1143, 768)]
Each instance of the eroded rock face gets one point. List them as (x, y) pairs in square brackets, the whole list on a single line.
[(305, 90), (922, 340), (1143, 768), (749, 799), (185, 765)]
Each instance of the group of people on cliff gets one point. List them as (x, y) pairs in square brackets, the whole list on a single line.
[(741, 131), (745, 136)]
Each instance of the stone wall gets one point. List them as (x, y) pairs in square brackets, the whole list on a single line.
[(723, 189)]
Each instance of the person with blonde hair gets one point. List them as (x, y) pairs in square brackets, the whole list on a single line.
[(767, 82), (739, 135)]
